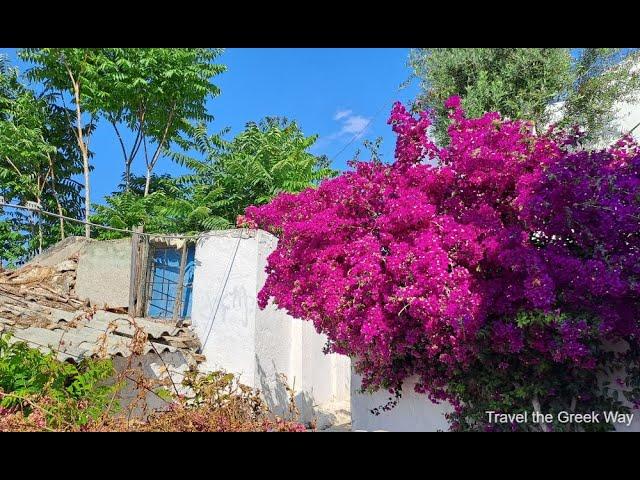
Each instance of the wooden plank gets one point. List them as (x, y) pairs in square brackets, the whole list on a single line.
[(177, 307), (143, 274), (134, 275)]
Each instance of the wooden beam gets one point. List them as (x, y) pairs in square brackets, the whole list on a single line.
[(134, 276), (143, 274), (177, 306)]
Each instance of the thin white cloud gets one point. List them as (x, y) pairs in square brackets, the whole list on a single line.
[(340, 114), (354, 124), (350, 125)]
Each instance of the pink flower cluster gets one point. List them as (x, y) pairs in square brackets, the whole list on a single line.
[(422, 266)]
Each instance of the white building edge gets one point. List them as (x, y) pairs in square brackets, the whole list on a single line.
[(261, 346)]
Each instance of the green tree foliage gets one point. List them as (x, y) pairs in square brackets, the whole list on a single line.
[(267, 158), (11, 244), (37, 162), (600, 78), (156, 93), (164, 210), (522, 83), (72, 72)]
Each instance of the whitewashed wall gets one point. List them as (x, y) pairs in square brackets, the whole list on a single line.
[(416, 413), (260, 345), (413, 413), (626, 118), (224, 307)]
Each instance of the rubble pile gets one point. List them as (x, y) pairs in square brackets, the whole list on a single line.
[(34, 294)]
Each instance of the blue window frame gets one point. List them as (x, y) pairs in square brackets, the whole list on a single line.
[(164, 277)]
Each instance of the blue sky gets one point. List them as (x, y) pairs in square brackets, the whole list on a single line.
[(330, 92)]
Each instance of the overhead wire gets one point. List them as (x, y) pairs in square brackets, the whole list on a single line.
[(115, 229), (359, 134)]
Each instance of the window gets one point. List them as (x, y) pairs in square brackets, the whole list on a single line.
[(164, 280)]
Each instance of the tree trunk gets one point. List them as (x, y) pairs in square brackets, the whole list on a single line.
[(61, 221), (156, 155), (85, 160), (87, 195), (147, 183), (40, 234), (128, 158), (127, 176), (536, 407), (55, 196)]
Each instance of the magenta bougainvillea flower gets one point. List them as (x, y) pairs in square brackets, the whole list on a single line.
[(502, 243)]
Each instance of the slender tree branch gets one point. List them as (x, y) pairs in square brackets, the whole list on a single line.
[(156, 154), (55, 196), (164, 136), (14, 166), (46, 176), (115, 127), (83, 149)]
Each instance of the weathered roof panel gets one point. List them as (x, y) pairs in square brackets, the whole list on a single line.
[(83, 342)]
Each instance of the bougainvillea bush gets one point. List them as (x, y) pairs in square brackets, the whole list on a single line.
[(502, 270)]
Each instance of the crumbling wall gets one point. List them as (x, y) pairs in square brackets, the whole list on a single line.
[(161, 371), (104, 271), (60, 252)]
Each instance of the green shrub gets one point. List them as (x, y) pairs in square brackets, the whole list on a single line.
[(66, 393)]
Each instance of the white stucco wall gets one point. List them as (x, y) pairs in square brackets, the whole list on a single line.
[(627, 116), (413, 413), (224, 306), (272, 339), (261, 345), (416, 413)]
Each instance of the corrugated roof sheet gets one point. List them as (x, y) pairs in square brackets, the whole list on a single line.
[(104, 334)]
